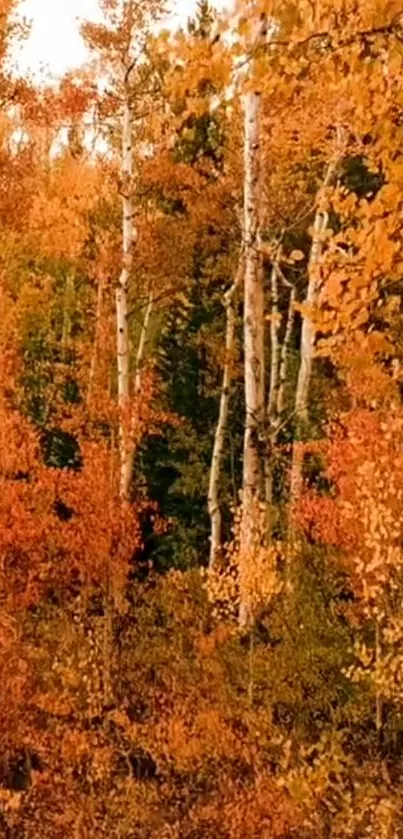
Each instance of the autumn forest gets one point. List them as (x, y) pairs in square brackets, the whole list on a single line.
[(201, 426)]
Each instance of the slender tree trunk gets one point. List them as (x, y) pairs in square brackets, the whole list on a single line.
[(253, 316), (254, 329), (107, 641), (143, 343), (275, 350), (138, 370), (308, 332), (280, 357), (109, 604), (285, 355), (378, 697), (219, 437), (123, 344), (95, 347), (275, 358), (67, 307)]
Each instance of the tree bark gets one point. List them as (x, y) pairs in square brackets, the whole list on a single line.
[(285, 355), (308, 332), (143, 343), (123, 344), (254, 329), (253, 315), (67, 307), (275, 349), (95, 347), (272, 419), (219, 437), (280, 356)]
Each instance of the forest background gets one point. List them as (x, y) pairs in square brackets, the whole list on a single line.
[(201, 540)]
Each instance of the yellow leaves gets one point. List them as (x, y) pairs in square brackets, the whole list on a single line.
[(250, 574), (275, 319), (194, 733), (59, 207), (296, 256), (377, 342), (307, 311), (208, 644), (59, 705), (11, 801), (120, 718), (334, 287), (199, 74), (221, 71), (76, 745)]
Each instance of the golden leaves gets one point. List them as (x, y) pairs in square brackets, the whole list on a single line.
[(250, 575), (296, 256)]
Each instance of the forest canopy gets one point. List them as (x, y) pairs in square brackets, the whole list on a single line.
[(201, 426)]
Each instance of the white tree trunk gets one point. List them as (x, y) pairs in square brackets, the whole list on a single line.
[(279, 361), (95, 346), (254, 458), (308, 332), (253, 318), (123, 344), (143, 343), (285, 355), (138, 370), (67, 309), (221, 428), (275, 350), (271, 419)]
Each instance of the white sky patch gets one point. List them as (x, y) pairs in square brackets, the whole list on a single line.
[(55, 44)]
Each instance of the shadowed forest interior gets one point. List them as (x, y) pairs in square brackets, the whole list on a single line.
[(201, 426)]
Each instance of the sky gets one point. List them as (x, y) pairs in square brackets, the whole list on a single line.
[(55, 42)]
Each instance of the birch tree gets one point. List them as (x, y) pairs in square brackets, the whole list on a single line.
[(254, 311), (96, 337), (308, 331), (285, 358), (121, 45), (122, 290), (280, 353), (220, 433)]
